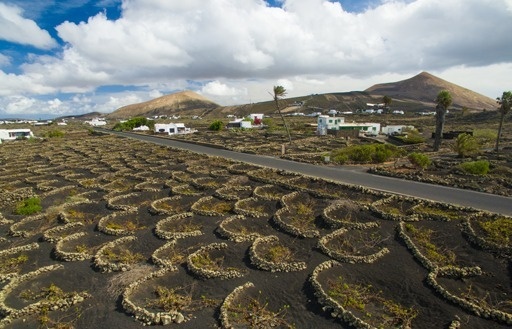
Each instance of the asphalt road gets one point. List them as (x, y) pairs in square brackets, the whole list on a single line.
[(478, 200)]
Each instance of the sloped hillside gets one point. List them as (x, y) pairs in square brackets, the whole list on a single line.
[(179, 103), (424, 87)]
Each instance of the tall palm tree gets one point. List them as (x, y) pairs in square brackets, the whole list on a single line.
[(280, 92), (505, 103), (443, 100)]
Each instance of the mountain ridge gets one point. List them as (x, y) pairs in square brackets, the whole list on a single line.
[(417, 93)]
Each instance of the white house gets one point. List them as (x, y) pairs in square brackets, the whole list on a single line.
[(96, 122), (325, 123), (395, 129), (172, 128), (12, 134), (239, 123)]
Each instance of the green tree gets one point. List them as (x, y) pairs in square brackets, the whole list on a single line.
[(280, 92), (387, 101), (505, 103), (216, 125), (465, 145), (134, 123), (443, 101)]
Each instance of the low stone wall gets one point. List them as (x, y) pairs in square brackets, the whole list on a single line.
[(168, 235), (229, 193), (102, 225), (70, 256), (104, 265), (266, 265), (480, 310), (336, 223), (474, 238), (52, 235), (290, 229), (196, 207), (240, 208), (234, 236), (54, 305), (10, 198), (15, 250), (205, 273), (228, 301), (112, 202), (374, 207), (160, 262), (154, 209), (342, 257), (14, 228), (329, 304), (143, 315)]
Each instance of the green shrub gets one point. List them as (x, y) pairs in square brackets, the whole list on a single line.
[(371, 153), (216, 125), (134, 123), (412, 138), (485, 136), (466, 145), (419, 160), (54, 134), (480, 167), (28, 206)]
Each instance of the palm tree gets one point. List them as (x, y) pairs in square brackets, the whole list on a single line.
[(280, 92), (387, 101), (443, 100), (505, 103)]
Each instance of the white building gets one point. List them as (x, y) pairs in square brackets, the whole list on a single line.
[(326, 123), (239, 123), (395, 129), (96, 122), (13, 134), (172, 128)]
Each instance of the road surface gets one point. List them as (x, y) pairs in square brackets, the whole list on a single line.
[(478, 200)]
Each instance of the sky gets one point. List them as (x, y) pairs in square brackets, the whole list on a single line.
[(70, 57)]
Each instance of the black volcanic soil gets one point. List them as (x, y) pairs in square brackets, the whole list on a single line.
[(397, 276)]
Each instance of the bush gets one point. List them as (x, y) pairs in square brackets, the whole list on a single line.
[(419, 160), (371, 153), (134, 123), (412, 137), (216, 125), (480, 167), (485, 136), (466, 145), (54, 134), (28, 207)]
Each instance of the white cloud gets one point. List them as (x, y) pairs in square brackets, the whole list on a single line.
[(15, 28), (234, 51), (216, 88)]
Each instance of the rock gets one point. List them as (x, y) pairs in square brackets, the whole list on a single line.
[(179, 318), (166, 319)]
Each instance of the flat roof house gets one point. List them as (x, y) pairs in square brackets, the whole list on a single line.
[(172, 128), (13, 134), (326, 123)]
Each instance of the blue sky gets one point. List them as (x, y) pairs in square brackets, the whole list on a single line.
[(77, 56)]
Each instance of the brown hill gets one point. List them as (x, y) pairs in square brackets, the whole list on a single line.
[(424, 88), (179, 103)]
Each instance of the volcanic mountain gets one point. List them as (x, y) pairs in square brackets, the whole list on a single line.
[(424, 88), (178, 103)]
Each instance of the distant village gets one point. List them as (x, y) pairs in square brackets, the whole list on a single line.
[(332, 122)]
